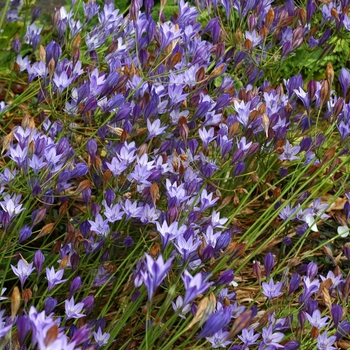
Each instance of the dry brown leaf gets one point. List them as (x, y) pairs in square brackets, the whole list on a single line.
[(205, 308)]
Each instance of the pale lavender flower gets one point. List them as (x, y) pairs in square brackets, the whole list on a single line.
[(336, 280), (18, 154), (316, 320), (62, 81), (289, 153), (113, 213), (287, 212), (169, 233), (154, 129), (194, 286), (179, 305), (22, 62), (23, 270), (218, 340), (100, 226), (325, 343), (132, 210), (272, 290), (73, 310), (187, 248), (248, 337), (101, 339), (270, 338), (319, 209), (116, 166), (253, 37), (11, 205), (54, 278), (3, 329), (156, 271)]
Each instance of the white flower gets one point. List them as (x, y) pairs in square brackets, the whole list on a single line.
[(309, 219), (343, 231)]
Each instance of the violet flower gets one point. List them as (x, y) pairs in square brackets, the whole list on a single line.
[(270, 338), (194, 286), (325, 343), (54, 278), (73, 310), (272, 290), (289, 152), (155, 273), (23, 270), (101, 339), (216, 322), (316, 320)]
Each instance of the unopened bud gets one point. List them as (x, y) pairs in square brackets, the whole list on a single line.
[(270, 16), (248, 45)]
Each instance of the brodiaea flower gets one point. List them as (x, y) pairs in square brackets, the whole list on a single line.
[(156, 271), (23, 270), (290, 153), (272, 290), (72, 310), (325, 343), (53, 277)]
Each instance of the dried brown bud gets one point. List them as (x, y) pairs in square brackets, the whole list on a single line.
[(15, 302), (51, 66), (334, 13), (239, 36), (330, 75), (27, 295), (154, 192), (324, 94), (264, 31), (248, 45), (270, 16), (302, 16), (42, 53)]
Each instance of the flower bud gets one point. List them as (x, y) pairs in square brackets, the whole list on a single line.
[(75, 285)]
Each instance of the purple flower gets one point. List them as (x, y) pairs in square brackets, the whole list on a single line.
[(39, 259), (187, 248), (248, 337), (194, 286), (11, 205), (100, 226), (316, 320), (272, 290), (272, 339), (289, 152), (54, 278), (216, 322), (218, 340), (169, 233), (325, 343), (116, 166), (23, 270), (268, 264), (62, 81), (72, 310), (344, 79), (154, 129), (101, 339), (3, 329), (155, 273)]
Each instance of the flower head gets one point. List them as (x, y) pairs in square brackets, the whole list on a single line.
[(272, 290), (23, 270)]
